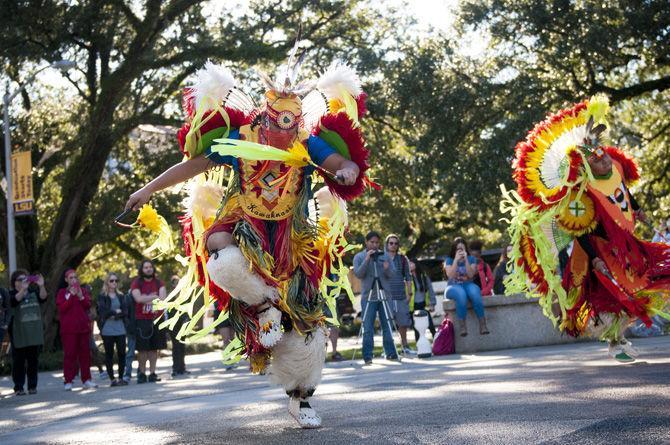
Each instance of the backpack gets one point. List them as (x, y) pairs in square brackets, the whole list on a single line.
[(443, 343)]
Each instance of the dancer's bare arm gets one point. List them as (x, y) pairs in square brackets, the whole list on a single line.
[(341, 167), (172, 176)]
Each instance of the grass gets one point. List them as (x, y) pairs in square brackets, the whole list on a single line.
[(348, 353)]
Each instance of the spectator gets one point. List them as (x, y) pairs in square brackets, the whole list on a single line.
[(501, 271), (423, 295), (396, 267), (112, 314), (484, 277), (178, 347), (97, 359), (662, 234), (4, 315), (365, 264), (461, 268), (74, 302), (26, 329), (131, 328), (149, 338)]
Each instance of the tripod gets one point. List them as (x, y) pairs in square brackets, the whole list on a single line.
[(378, 296)]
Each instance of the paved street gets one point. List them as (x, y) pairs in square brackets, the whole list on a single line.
[(561, 394)]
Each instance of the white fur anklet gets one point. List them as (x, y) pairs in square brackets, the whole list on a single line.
[(303, 413), (270, 331), (229, 270)]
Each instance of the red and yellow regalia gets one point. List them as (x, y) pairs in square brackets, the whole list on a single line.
[(611, 276), (286, 215)]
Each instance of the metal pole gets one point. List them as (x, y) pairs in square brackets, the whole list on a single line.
[(11, 237)]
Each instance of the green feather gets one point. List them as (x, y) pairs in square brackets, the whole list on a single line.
[(335, 140)]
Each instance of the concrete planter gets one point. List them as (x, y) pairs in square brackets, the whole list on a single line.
[(514, 321)]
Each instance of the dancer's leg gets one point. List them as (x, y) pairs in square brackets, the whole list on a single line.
[(229, 270), (297, 362)]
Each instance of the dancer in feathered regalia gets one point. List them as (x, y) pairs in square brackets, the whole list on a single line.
[(257, 240), (572, 187)]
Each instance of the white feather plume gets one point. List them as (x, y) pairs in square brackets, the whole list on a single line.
[(552, 168), (212, 85), (203, 199), (314, 105), (339, 76)]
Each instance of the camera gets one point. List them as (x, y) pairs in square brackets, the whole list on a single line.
[(33, 278), (376, 254)]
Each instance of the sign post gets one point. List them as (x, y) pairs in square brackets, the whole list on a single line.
[(22, 184)]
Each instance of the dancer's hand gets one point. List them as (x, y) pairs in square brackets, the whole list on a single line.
[(347, 176), (599, 265), (138, 199)]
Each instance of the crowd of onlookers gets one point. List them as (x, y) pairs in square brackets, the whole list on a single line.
[(393, 287), (126, 322)]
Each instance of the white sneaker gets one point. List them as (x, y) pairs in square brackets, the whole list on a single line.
[(67, 387), (89, 384), (622, 351), (303, 413), (270, 327)]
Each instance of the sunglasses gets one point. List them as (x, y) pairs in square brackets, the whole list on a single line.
[(113, 280), (22, 278), (393, 243)]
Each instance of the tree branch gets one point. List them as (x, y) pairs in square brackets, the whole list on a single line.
[(386, 124), (663, 129), (131, 250), (86, 97), (177, 8), (129, 15), (617, 95)]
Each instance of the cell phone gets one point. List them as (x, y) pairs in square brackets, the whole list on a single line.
[(33, 278)]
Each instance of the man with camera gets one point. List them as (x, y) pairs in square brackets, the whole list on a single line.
[(370, 268)]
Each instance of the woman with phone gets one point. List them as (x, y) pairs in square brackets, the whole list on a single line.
[(112, 322), (26, 329), (460, 268), (73, 302)]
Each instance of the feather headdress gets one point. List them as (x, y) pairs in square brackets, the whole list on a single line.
[(212, 85)]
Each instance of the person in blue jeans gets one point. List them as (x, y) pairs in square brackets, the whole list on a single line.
[(364, 269), (461, 268)]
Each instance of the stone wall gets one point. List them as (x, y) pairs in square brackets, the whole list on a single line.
[(514, 322)]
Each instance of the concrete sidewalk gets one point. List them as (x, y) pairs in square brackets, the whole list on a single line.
[(557, 394)]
